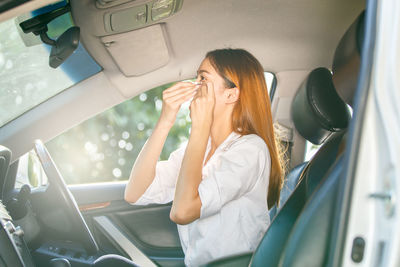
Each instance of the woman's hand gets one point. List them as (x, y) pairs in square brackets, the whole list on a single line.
[(187, 204), (144, 169), (173, 98), (202, 107)]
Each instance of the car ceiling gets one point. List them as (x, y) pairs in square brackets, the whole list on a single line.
[(282, 34), (289, 38)]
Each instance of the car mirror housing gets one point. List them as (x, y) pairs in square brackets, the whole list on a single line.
[(64, 46), (61, 48)]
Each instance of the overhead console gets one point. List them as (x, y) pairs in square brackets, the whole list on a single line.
[(139, 15), (134, 33)]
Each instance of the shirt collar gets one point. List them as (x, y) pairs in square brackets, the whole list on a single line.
[(225, 145), (229, 140)]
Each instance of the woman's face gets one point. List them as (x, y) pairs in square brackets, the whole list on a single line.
[(223, 99)]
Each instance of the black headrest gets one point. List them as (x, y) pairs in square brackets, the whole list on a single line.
[(346, 62), (317, 109)]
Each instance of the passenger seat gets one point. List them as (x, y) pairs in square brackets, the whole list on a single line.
[(303, 226), (318, 113)]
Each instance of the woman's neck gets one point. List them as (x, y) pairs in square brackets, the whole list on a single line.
[(220, 130)]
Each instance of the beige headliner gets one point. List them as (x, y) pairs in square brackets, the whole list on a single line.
[(289, 37), (282, 34)]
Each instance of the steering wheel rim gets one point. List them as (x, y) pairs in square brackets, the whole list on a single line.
[(57, 183)]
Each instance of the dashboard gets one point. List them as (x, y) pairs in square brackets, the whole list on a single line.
[(14, 250)]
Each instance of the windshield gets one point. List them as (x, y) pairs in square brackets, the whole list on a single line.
[(26, 79)]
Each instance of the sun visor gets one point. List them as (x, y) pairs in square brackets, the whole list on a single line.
[(138, 52)]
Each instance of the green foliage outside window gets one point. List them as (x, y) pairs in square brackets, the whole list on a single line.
[(104, 148)]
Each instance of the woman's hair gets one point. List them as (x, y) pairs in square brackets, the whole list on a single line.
[(252, 111)]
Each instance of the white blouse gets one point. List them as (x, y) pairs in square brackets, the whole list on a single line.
[(233, 192)]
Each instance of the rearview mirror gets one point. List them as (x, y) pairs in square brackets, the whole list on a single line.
[(64, 46)]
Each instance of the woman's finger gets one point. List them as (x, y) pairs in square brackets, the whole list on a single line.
[(186, 98), (201, 90), (178, 98), (210, 90), (173, 87), (179, 90), (179, 85), (183, 92), (197, 94)]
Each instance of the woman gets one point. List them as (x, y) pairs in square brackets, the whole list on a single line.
[(223, 181)]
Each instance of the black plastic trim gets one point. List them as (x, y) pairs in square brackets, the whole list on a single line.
[(242, 259), (6, 5), (73, 252), (353, 143)]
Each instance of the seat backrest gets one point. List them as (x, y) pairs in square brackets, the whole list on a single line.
[(317, 113), (303, 224), (269, 250), (314, 230), (290, 183), (5, 157), (311, 233)]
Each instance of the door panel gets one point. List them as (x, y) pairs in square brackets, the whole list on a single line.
[(151, 226), (147, 227)]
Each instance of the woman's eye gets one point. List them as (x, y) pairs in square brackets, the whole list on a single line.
[(202, 78)]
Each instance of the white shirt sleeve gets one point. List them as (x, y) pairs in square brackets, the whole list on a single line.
[(237, 172), (162, 189)]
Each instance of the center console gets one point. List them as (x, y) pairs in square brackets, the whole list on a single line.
[(14, 251), (66, 250)]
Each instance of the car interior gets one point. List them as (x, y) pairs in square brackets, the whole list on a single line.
[(312, 47)]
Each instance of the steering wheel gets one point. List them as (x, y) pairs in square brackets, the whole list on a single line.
[(81, 232)]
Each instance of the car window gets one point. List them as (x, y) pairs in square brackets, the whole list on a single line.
[(104, 148), (310, 150), (271, 83), (26, 79)]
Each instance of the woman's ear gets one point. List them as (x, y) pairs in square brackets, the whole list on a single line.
[(231, 95)]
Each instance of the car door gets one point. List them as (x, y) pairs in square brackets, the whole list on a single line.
[(95, 159), (148, 228)]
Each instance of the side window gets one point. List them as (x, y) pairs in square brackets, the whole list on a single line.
[(104, 148), (271, 83), (310, 151)]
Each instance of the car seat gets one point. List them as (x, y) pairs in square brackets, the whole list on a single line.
[(300, 234), (317, 112)]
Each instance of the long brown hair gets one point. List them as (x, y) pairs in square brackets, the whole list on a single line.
[(252, 112)]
